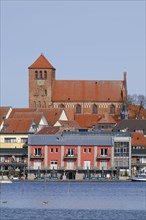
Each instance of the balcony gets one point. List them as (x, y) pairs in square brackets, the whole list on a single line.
[(36, 156), (100, 157), (70, 156), (138, 163)]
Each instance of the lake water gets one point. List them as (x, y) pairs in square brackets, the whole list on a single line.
[(73, 201)]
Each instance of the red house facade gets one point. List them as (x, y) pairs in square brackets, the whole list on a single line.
[(72, 156)]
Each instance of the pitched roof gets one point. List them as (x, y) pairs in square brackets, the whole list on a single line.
[(138, 139), (41, 63), (49, 130), (15, 125), (87, 120), (132, 125), (90, 120), (87, 90), (52, 115), (3, 113), (14, 110), (36, 116), (136, 111), (69, 124), (107, 119)]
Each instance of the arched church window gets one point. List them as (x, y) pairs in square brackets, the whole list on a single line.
[(112, 109), (78, 109), (40, 74), (94, 109), (36, 74), (45, 74)]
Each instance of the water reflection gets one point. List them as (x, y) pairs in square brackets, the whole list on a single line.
[(74, 195)]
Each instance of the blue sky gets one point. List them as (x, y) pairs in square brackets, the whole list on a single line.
[(87, 40)]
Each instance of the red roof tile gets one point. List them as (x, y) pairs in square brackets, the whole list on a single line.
[(86, 120), (83, 90), (41, 63), (14, 110), (52, 115), (3, 113), (49, 130), (15, 125), (138, 139), (134, 110), (36, 116)]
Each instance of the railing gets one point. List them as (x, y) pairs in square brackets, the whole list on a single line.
[(69, 156), (138, 163), (34, 156), (12, 163), (99, 156)]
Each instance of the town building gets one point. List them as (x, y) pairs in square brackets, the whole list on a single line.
[(77, 96), (73, 155)]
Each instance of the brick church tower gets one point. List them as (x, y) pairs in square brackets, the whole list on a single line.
[(78, 97), (41, 78)]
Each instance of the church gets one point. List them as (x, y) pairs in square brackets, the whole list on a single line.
[(77, 96)]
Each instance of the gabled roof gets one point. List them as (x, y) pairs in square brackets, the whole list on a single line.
[(131, 125), (15, 125), (52, 115), (107, 119), (49, 130), (136, 111), (36, 116), (24, 110), (90, 120), (87, 90), (138, 139), (3, 113), (41, 63), (69, 124), (87, 120)]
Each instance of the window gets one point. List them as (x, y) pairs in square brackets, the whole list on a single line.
[(121, 149), (94, 110), (112, 109), (37, 151), (70, 151), (78, 109), (84, 150), (89, 150), (10, 140), (36, 74), (24, 140), (51, 150), (40, 74), (54, 164), (45, 74), (104, 152), (45, 92), (56, 150)]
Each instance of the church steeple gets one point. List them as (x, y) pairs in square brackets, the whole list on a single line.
[(41, 78), (41, 63)]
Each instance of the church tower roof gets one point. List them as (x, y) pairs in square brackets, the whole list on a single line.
[(41, 63)]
